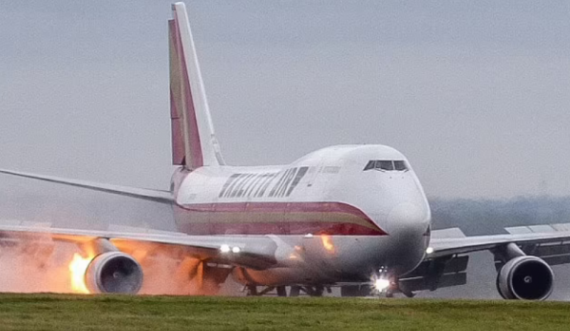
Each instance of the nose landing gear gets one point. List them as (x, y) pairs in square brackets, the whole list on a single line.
[(395, 288), (388, 284)]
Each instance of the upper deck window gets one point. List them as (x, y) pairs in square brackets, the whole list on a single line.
[(386, 165)]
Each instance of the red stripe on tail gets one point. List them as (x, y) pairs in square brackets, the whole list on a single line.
[(182, 106)]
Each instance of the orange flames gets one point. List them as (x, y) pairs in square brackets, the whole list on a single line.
[(327, 243), (77, 267)]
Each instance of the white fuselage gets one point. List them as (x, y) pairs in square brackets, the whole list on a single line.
[(336, 215)]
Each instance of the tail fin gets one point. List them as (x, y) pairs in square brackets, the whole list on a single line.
[(193, 141)]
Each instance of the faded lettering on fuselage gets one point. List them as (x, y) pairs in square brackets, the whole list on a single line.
[(267, 184)]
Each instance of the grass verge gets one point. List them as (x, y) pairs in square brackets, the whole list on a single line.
[(126, 313)]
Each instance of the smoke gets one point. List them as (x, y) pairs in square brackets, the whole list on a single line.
[(40, 264), (166, 275), (170, 270), (35, 265)]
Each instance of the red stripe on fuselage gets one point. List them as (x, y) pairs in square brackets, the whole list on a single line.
[(262, 218)]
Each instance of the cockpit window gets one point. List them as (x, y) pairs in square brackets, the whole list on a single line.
[(400, 165), (386, 165), (370, 165)]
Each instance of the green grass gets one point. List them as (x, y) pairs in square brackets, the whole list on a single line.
[(68, 312)]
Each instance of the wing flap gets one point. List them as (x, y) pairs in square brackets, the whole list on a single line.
[(423, 284), (436, 273)]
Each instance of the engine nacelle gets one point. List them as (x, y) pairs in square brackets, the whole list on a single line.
[(114, 272), (525, 278)]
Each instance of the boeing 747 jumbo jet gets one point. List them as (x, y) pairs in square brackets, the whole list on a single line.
[(353, 216)]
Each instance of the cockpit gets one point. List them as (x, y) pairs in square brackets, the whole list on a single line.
[(386, 165)]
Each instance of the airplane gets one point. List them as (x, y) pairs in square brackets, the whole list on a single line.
[(353, 216)]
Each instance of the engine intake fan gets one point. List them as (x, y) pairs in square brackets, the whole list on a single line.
[(114, 272), (525, 278)]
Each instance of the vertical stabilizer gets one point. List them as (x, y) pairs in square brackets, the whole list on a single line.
[(193, 141)]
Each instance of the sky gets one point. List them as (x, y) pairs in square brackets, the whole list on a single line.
[(475, 94)]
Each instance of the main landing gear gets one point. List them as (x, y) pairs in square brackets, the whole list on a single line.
[(294, 291)]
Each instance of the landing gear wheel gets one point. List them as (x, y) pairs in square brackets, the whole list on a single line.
[(295, 291), (315, 291), (252, 291), (281, 291)]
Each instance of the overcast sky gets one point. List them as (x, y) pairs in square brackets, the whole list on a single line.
[(475, 94)]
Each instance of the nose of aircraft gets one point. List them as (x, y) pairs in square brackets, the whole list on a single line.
[(409, 223), (408, 215)]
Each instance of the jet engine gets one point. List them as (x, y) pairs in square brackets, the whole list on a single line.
[(114, 272), (525, 278)]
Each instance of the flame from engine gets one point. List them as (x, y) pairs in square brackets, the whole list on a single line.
[(60, 267), (77, 267)]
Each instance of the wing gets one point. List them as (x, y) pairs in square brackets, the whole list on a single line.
[(557, 234), (119, 260), (447, 257), (139, 193), (257, 253)]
